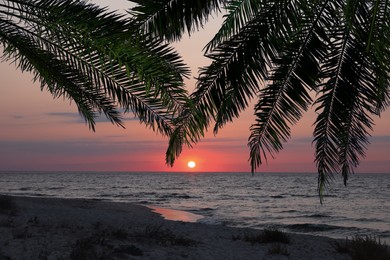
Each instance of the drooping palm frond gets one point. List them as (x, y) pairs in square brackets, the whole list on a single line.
[(295, 71), (169, 19), (30, 57), (377, 48), (236, 75), (232, 60), (355, 87), (97, 55), (222, 92)]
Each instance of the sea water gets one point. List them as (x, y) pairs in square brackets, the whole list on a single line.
[(288, 201)]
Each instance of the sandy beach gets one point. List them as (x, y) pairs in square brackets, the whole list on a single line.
[(51, 228)]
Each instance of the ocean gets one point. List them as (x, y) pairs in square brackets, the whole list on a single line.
[(288, 201)]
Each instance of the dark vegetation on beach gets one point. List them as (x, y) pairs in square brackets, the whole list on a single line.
[(268, 235), (271, 235), (277, 51), (164, 236), (120, 242), (359, 248), (278, 249), (364, 248), (100, 245)]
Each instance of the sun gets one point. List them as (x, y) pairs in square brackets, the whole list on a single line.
[(191, 164)]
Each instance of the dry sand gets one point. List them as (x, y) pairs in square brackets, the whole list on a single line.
[(50, 228)]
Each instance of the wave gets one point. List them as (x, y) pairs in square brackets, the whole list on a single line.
[(316, 216), (176, 196), (27, 194), (369, 219), (277, 197), (25, 188), (207, 209), (140, 194), (203, 211), (104, 195), (308, 227), (55, 188), (289, 211)]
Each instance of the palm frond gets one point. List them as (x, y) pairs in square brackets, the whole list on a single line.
[(239, 14), (377, 48), (55, 74), (190, 126), (356, 85), (295, 71), (169, 19), (137, 73), (222, 92), (221, 85)]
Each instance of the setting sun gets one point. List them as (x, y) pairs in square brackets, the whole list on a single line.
[(191, 164)]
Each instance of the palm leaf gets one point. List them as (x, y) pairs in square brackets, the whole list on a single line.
[(296, 71), (140, 74), (60, 78), (350, 93), (377, 48), (222, 93), (239, 14), (169, 19)]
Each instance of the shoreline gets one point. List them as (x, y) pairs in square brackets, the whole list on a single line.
[(56, 228)]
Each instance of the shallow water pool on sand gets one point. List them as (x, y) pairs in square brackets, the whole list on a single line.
[(176, 215)]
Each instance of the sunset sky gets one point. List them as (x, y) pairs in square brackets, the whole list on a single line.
[(40, 133)]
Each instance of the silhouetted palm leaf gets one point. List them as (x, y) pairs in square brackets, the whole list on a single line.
[(356, 86), (169, 19), (96, 58), (294, 72)]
